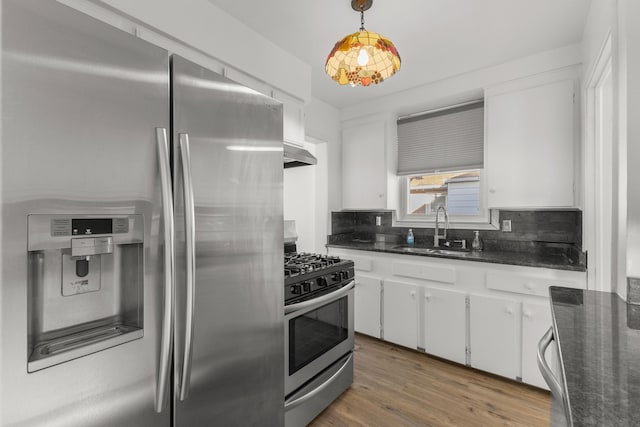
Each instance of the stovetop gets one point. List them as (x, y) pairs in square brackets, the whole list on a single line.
[(296, 264), (308, 275)]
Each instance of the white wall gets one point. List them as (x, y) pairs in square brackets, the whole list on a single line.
[(300, 201), (619, 17), (312, 192), (1, 198), (322, 123), (465, 86), (630, 49), (600, 26), (306, 199), (600, 23)]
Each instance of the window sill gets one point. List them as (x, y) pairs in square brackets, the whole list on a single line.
[(452, 224), (490, 223)]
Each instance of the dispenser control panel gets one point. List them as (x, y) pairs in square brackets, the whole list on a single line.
[(88, 226)]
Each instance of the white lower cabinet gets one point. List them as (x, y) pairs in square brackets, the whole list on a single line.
[(445, 324), (494, 335), (400, 313), (536, 321), (367, 305), (423, 303)]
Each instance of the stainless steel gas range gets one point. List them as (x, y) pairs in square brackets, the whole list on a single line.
[(319, 335)]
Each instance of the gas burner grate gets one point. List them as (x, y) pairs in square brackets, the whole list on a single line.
[(301, 263)]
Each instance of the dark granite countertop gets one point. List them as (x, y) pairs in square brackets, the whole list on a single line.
[(598, 335), (546, 259)]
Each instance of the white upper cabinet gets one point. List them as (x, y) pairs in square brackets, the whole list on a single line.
[(293, 116), (530, 131), (364, 176)]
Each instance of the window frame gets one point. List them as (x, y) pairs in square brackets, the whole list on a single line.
[(488, 218)]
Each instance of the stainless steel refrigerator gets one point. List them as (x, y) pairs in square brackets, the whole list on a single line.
[(142, 233)]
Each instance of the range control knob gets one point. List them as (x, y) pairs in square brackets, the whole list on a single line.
[(336, 277), (344, 275), (295, 289), (306, 287), (322, 282)]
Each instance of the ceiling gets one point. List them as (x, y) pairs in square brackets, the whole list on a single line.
[(435, 38)]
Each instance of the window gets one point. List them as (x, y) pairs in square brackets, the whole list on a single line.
[(458, 192), (441, 160)]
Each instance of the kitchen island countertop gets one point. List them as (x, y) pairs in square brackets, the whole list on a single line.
[(598, 335)]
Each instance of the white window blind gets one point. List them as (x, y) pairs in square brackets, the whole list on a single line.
[(452, 139)]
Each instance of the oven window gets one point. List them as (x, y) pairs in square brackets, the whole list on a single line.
[(316, 332)]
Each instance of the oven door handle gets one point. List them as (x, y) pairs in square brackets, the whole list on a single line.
[(320, 300), (299, 401)]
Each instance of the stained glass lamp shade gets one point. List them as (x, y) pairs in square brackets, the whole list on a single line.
[(362, 58)]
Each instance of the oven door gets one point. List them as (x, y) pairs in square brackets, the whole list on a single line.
[(317, 333)]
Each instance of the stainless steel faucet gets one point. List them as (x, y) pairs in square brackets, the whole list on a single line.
[(436, 236)]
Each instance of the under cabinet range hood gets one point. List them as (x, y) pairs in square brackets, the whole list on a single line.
[(296, 156)]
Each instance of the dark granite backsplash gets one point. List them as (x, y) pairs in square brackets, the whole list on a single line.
[(533, 231)]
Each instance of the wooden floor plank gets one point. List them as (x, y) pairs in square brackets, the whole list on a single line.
[(394, 386)]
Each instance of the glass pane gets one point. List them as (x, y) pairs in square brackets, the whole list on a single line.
[(458, 191), (316, 332)]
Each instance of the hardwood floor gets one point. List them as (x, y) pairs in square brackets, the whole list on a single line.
[(395, 387)]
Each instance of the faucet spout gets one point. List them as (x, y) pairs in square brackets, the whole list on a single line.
[(436, 235)]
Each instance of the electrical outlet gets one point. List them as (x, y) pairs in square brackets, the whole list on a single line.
[(378, 221), (506, 225)]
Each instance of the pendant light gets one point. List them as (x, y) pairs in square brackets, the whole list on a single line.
[(364, 57)]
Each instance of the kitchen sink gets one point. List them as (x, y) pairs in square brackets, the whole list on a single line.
[(430, 251)]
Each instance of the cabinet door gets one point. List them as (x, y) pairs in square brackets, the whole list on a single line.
[(367, 305), (445, 324), (400, 313), (530, 140), (536, 320), (493, 329), (364, 184)]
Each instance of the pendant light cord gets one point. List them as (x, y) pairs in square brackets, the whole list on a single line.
[(362, 17)]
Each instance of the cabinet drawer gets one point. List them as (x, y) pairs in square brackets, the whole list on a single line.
[(435, 273), (362, 264), (525, 284), (359, 263)]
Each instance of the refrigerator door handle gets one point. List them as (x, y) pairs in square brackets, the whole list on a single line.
[(189, 216), (166, 339)]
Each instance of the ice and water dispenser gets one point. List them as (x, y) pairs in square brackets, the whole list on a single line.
[(85, 287)]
